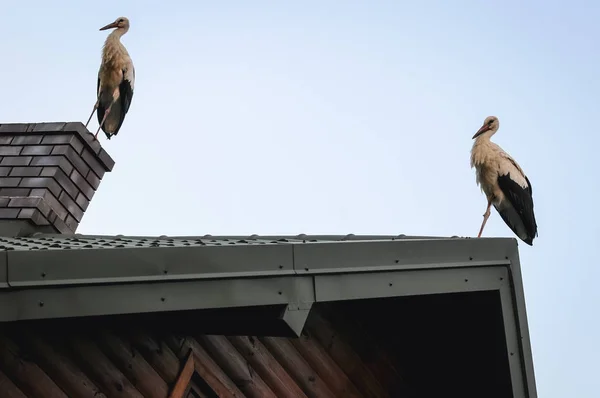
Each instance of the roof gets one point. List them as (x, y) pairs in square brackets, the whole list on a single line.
[(56, 276)]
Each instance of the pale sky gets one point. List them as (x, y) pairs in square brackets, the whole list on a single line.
[(338, 117)]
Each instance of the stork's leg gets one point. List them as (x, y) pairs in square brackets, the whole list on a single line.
[(486, 215), (103, 120), (93, 110)]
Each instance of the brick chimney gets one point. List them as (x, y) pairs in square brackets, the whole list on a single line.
[(49, 172)]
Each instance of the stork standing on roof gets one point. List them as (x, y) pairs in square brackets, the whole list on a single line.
[(116, 79), (504, 183)]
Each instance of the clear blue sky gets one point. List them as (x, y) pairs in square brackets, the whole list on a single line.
[(275, 117)]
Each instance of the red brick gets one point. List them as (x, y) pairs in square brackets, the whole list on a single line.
[(82, 184), (59, 161), (50, 127), (14, 128), (77, 162), (91, 160), (93, 179), (71, 223), (62, 227), (9, 182), (16, 161), (14, 191), (53, 203), (38, 218), (10, 150), (71, 206), (27, 171), (6, 139), (25, 201), (57, 139), (9, 213), (41, 182), (82, 201), (65, 182), (37, 150), (106, 159), (27, 139)]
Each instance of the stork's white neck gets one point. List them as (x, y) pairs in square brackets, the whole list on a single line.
[(117, 33)]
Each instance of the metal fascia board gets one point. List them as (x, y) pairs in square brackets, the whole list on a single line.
[(318, 258), (516, 355), (408, 283), (85, 266), (3, 270), (94, 300), (519, 307)]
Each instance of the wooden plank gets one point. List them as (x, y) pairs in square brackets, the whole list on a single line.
[(212, 374), (267, 367), (181, 385), (232, 362), (63, 371), (8, 389), (285, 353), (343, 354), (92, 360), (326, 368), (30, 379), (133, 365), (158, 354), (368, 348)]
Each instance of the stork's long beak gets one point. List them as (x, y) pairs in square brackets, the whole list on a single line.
[(110, 25), (482, 130)]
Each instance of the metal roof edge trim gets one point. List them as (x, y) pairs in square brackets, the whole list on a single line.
[(520, 313), (127, 265), (99, 300), (296, 291), (4, 271), (93, 266)]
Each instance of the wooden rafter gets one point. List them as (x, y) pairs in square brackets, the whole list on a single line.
[(194, 365), (184, 378)]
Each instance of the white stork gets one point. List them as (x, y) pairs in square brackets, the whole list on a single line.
[(504, 183), (116, 79)]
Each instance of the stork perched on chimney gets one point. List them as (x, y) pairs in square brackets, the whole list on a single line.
[(504, 183), (116, 79)]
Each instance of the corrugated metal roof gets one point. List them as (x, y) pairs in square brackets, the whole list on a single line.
[(41, 241), (129, 362)]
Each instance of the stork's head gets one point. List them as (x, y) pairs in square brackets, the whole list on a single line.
[(490, 124), (120, 23)]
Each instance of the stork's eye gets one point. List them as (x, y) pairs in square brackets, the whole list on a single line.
[(491, 121), (120, 20)]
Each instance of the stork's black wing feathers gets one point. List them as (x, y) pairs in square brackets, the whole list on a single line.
[(522, 201), (125, 96)]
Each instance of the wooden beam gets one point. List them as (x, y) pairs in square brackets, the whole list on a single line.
[(328, 370), (295, 365), (27, 375), (110, 379), (158, 354), (206, 367), (261, 360), (9, 390), (63, 371), (345, 356), (232, 362), (184, 378), (133, 365)]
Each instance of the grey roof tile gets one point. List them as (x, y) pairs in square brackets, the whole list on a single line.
[(41, 241)]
